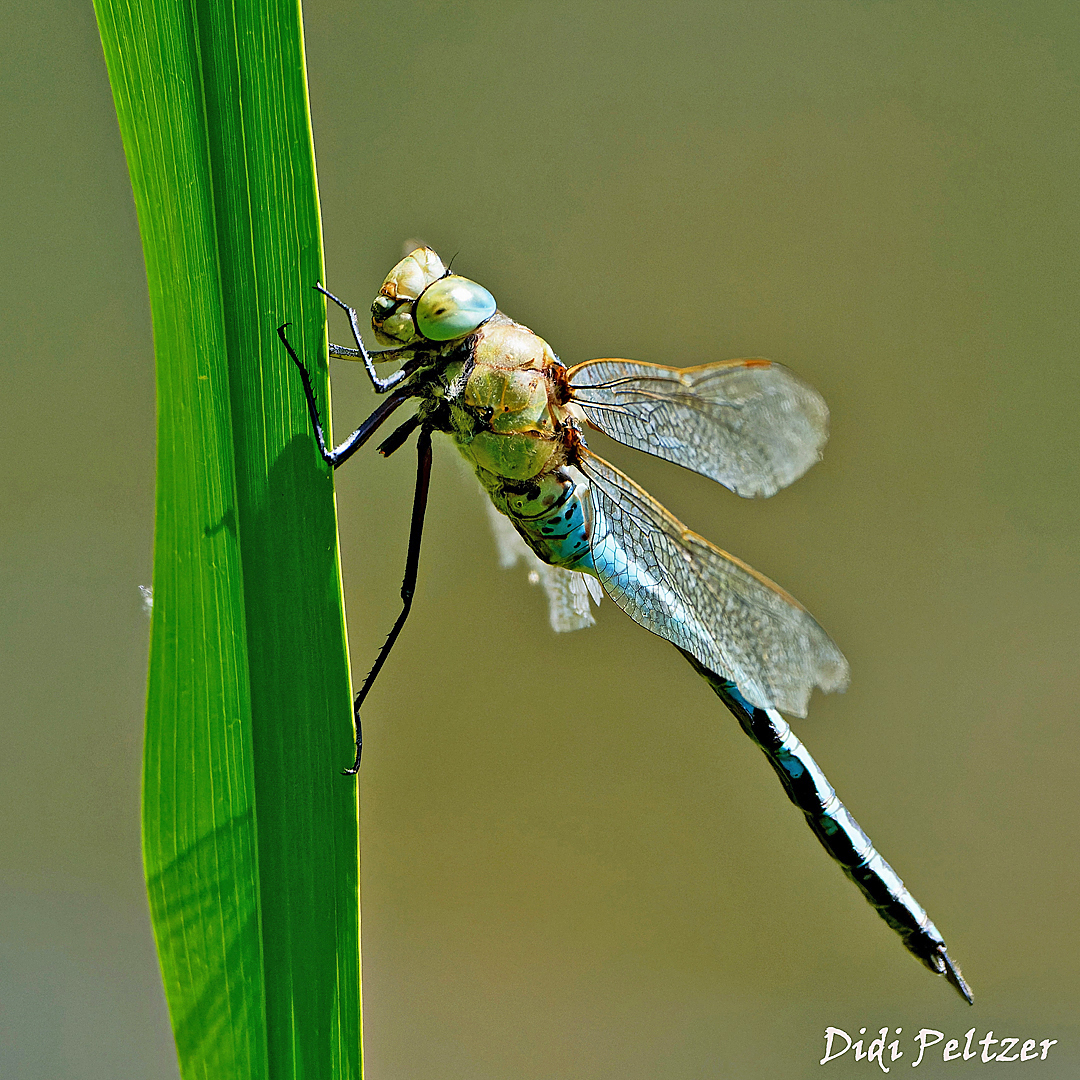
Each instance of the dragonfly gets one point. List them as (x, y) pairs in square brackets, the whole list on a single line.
[(519, 416)]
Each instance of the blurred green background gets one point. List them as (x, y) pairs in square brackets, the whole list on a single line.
[(574, 863)]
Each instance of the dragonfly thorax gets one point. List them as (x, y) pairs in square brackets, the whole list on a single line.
[(507, 420)]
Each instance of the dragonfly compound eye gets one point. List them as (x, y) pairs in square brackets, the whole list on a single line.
[(453, 307)]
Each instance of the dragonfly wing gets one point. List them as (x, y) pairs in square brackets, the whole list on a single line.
[(568, 597), (751, 425), (673, 582)]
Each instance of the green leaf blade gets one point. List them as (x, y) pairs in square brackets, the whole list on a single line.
[(250, 840)]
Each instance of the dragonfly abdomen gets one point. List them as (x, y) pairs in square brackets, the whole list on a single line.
[(839, 833), (553, 517)]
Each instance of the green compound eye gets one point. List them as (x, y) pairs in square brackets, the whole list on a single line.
[(452, 307)]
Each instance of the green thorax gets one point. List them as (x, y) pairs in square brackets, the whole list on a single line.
[(502, 404)]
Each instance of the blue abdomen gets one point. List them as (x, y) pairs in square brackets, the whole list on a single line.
[(555, 522)]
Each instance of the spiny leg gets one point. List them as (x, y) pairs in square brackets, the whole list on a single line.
[(345, 450), (408, 585)]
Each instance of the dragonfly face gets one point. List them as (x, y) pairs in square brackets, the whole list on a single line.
[(517, 414), (420, 301)]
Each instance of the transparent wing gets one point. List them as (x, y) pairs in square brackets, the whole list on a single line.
[(737, 622), (751, 425), (567, 591)]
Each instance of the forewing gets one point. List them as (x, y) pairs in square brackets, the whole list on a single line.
[(675, 583), (751, 425)]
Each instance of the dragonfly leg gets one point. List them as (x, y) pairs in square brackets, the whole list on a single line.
[(838, 832), (361, 353), (344, 450), (345, 352), (396, 439), (408, 584)]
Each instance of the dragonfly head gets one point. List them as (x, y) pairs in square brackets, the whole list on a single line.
[(421, 301)]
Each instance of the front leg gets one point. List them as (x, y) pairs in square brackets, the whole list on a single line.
[(345, 450), (360, 352)]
